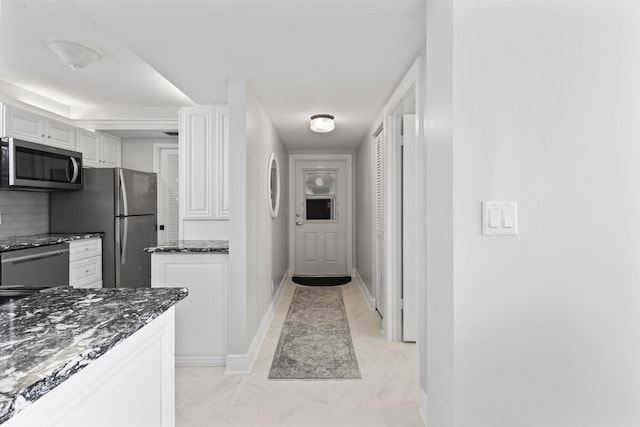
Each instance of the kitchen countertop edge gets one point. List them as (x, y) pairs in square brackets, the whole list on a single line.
[(191, 246), (25, 242)]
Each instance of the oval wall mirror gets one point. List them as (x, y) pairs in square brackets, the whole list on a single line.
[(273, 185)]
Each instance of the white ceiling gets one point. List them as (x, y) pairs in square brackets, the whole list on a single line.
[(342, 57)]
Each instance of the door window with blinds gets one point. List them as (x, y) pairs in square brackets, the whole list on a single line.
[(320, 195)]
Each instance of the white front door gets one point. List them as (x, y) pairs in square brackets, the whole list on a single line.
[(320, 217)]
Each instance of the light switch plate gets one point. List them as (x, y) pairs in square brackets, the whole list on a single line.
[(499, 218)]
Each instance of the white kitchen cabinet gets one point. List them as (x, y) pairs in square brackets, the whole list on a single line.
[(88, 144), (111, 150), (33, 127), (99, 150), (201, 318), (204, 159), (85, 263)]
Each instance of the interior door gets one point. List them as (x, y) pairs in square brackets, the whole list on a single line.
[(379, 283), (409, 230), (167, 169), (320, 231)]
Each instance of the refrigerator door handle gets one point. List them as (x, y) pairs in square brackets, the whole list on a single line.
[(123, 240), (123, 186)]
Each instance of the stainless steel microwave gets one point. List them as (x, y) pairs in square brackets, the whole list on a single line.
[(30, 166)]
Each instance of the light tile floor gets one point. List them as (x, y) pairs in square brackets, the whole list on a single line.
[(384, 397)]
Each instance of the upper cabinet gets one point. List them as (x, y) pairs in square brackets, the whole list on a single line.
[(204, 159), (89, 146), (33, 127), (111, 150), (99, 150)]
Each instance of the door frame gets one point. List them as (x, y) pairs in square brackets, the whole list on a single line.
[(349, 212), (157, 147), (405, 97)]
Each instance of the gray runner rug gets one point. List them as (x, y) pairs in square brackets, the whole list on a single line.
[(315, 343)]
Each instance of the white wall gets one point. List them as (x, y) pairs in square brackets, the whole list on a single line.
[(137, 153), (267, 237), (258, 245), (437, 349), (546, 101), (237, 339)]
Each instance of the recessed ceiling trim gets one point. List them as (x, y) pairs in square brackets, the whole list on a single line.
[(140, 124)]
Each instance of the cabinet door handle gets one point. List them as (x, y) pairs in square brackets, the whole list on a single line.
[(29, 258)]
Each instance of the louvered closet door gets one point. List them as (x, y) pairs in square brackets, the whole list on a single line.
[(168, 195), (379, 235)]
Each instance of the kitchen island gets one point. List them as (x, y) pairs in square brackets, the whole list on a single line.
[(79, 357)]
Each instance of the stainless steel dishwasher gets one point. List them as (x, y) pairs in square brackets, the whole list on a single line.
[(25, 271)]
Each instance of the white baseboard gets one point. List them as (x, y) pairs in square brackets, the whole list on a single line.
[(201, 361), (370, 300), (243, 363), (237, 364), (422, 405)]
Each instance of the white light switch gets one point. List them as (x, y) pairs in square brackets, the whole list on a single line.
[(499, 219), (494, 218), (507, 218)]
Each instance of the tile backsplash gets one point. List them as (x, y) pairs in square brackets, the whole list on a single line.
[(23, 213)]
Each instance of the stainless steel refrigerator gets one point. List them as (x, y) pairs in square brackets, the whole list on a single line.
[(121, 203)]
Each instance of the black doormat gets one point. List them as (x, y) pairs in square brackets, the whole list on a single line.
[(321, 280)]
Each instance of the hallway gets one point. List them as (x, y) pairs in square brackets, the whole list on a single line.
[(384, 397)]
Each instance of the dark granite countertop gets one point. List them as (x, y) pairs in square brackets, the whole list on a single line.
[(24, 242), (48, 337), (192, 246)]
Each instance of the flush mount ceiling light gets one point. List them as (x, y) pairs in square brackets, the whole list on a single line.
[(322, 123), (73, 54)]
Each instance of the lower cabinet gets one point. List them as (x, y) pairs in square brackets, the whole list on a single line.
[(201, 318), (85, 263)]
